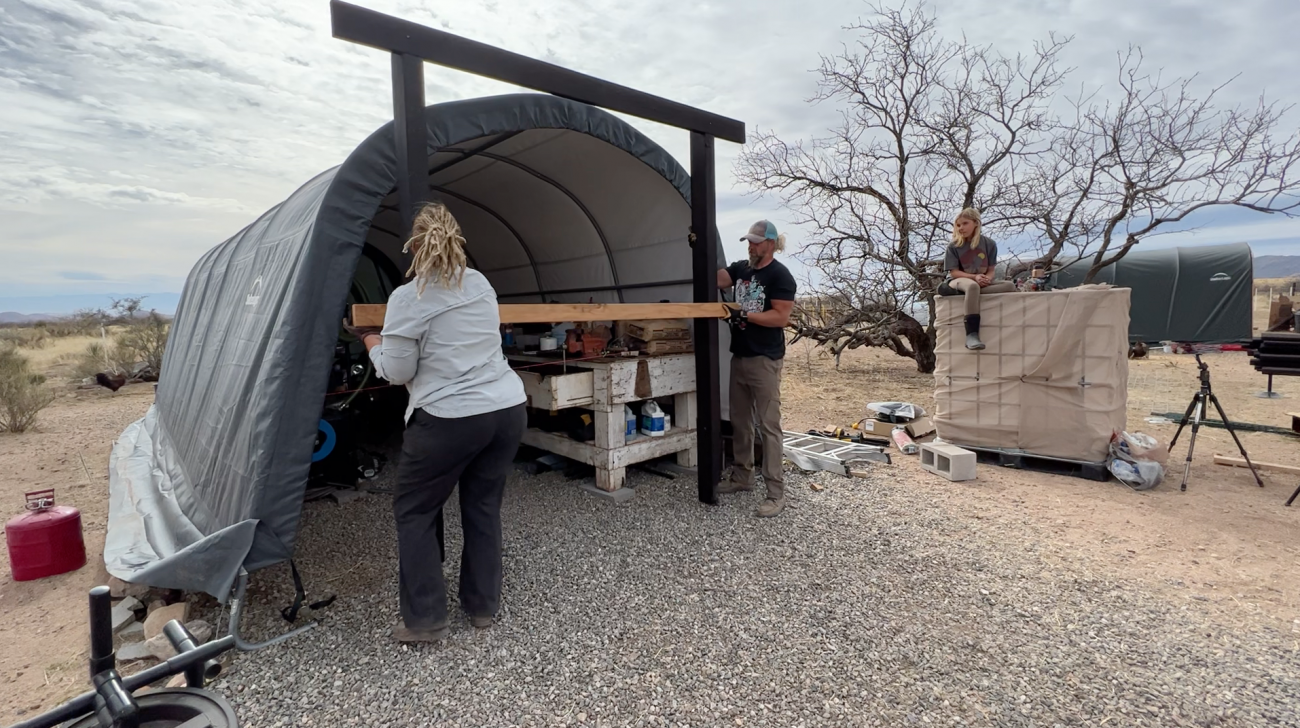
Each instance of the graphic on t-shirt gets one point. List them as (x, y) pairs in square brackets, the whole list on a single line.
[(973, 260), (750, 295)]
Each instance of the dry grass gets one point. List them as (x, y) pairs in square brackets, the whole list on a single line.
[(58, 358)]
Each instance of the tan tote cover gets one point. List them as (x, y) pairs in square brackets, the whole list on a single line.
[(1052, 380)]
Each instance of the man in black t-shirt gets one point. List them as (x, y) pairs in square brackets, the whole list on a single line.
[(764, 292)]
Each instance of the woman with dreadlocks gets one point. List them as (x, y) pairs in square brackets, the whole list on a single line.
[(441, 338)]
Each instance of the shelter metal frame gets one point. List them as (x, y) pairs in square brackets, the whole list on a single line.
[(412, 45)]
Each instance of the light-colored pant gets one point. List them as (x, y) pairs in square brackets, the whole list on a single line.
[(972, 291), (756, 399)]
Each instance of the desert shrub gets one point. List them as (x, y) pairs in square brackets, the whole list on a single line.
[(27, 337), (143, 341), (135, 350), (23, 394), (91, 361)]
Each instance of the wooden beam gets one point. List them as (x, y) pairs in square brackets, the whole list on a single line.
[(372, 314), (1241, 463)]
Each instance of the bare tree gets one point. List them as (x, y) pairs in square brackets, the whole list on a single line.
[(1153, 155), (928, 126)]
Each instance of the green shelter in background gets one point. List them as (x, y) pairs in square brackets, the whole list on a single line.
[(1196, 294)]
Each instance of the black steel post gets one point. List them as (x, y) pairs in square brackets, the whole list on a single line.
[(411, 137), (102, 656), (704, 264)]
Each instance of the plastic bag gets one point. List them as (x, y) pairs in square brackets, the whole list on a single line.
[(896, 411), (1142, 446), (1137, 460)]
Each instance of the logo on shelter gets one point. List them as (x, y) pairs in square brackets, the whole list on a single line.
[(1220, 277), (254, 293)]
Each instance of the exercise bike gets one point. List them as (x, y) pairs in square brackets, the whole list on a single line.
[(113, 704)]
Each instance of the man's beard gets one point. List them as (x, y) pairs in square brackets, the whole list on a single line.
[(754, 260)]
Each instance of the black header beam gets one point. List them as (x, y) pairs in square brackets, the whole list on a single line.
[(385, 32)]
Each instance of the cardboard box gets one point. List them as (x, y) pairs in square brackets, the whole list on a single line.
[(920, 427), (876, 427)]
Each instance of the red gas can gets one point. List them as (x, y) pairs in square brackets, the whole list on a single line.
[(46, 540)]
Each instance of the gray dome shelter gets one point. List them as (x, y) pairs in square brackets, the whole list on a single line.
[(558, 201)]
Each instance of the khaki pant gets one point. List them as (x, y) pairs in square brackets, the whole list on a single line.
[(972, 291), (756, 400)]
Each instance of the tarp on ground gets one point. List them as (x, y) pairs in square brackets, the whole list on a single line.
[(559, 201), (1194, 294), (1052, 380)]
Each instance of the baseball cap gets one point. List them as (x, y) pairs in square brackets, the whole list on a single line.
[(760, 231)]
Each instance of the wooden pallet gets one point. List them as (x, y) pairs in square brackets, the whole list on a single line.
[(1040, 463)]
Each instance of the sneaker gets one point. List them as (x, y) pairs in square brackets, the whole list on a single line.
[(973, 342), (770, 508), (481, 622), (402, 633), (732, 486)]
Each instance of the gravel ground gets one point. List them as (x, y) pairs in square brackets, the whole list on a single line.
[(871, 603)]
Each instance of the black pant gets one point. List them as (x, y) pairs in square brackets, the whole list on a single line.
[(478, 452)]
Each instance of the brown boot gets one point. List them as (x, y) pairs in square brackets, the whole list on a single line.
[(771, 508), (481, 622), (402, 633)]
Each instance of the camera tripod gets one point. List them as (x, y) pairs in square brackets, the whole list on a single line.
[(1195, 411)]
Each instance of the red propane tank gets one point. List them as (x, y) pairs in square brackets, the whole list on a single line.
[(46, 540)]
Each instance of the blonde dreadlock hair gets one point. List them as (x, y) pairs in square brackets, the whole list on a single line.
[(973, 215), (439, 248)]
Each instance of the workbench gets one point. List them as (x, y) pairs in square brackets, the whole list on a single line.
[(604, 386)]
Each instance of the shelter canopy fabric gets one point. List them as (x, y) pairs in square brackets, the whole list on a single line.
[(558, 201), (1190, 294)]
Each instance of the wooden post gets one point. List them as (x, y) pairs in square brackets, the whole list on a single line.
[(685, 411), (411, 137), (704, 259)]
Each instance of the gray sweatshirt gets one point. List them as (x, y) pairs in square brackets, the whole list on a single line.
[(445, 346)]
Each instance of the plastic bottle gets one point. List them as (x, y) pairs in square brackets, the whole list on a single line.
[(629, 422)]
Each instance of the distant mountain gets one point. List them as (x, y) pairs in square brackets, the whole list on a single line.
[(54, 306), (10, 317), (1277, 266)]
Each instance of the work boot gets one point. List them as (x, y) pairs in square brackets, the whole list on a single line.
[(481, 622), (771, 507), (973, 332), (402, 633)]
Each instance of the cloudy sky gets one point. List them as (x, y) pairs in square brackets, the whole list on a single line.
[(136, 135)]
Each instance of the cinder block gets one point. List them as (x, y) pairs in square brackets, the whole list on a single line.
[(947, 460)]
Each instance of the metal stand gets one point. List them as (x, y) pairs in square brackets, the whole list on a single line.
[(1294, 495), (1269, 394), (1194, 413)]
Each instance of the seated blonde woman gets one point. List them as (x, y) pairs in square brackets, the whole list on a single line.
[(969, 261)]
